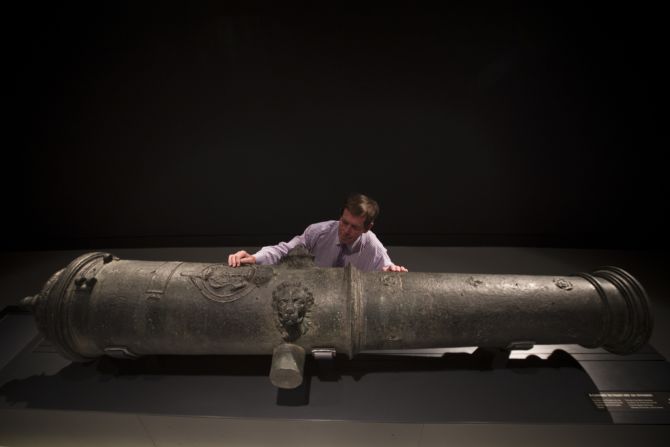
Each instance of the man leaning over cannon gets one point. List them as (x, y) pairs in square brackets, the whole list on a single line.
[(334, 243)]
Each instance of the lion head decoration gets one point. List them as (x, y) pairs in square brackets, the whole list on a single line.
[(292, 303)]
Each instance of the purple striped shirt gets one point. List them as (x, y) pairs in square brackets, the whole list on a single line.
[(321, 239)]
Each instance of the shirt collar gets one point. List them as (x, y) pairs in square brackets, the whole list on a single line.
[(352, 248)]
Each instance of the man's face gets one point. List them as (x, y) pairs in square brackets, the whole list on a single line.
[(351, 227)]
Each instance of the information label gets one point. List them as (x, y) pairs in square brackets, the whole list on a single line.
[(631, 400)]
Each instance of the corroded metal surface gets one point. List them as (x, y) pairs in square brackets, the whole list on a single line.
[(101, 305)]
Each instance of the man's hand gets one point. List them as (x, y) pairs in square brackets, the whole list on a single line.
[(241, 257), (395, 268)]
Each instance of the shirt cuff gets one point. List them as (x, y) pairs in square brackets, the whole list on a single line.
[(261, 258)]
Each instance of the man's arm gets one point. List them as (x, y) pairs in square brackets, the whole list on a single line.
[(384, 263), (272, 254)]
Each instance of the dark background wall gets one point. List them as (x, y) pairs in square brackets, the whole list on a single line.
[(212, 125)]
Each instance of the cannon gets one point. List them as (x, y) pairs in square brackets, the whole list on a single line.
[(102, 305)]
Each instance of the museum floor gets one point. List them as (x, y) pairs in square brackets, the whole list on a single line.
[(85, 409)]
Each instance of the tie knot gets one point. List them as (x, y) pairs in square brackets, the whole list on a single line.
[(339, 261)]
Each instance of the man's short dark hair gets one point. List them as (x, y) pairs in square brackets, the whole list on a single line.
[(362, 205)]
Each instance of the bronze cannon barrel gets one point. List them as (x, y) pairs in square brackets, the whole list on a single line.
[(101, 305)]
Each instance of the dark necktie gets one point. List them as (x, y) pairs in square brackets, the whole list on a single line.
[(339, 262)]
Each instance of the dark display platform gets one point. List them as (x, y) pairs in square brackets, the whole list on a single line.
[(548, 384)]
